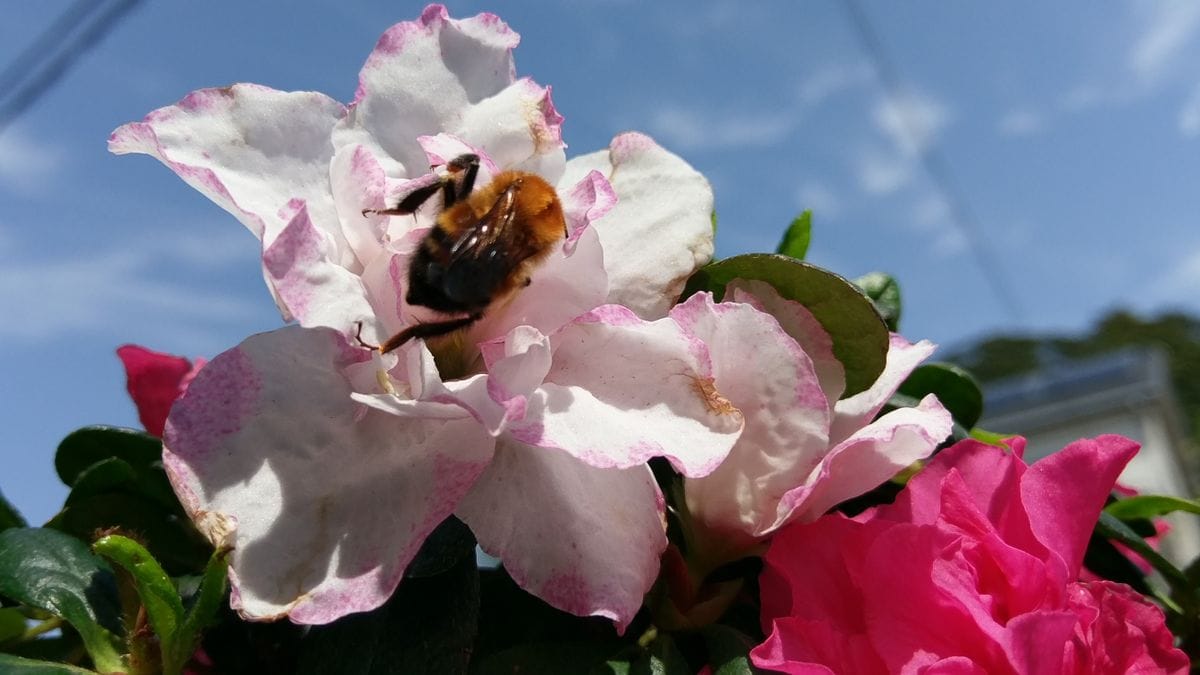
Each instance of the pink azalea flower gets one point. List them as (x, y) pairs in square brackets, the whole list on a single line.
[(973, 569), (154, 381), (803, 450), (325, 465)]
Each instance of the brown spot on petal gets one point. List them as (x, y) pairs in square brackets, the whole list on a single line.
[(217, 527), (706, 388)]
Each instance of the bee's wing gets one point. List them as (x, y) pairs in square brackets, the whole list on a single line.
[(492, 238)]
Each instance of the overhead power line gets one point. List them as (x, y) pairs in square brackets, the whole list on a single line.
[(54, 52), (935, 164)]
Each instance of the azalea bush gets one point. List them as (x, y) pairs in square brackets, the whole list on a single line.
[(645, 461)]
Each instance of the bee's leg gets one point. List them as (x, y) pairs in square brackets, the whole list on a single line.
[(469, 166), (358, 338), (411, 202), (428, 330)]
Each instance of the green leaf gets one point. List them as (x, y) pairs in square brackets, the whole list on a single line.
[(170, 536), (9, 516), (1104, 559), (797, 237), (860, 337), (581, 656), (107, 475), (207, 603), (84, 447), (955, 388), (449, 543), (1112, 527), (12, 624), (662, 657), (990, 437), (428, 626), (883, 290), (728, 650), (1150, 506), (164, 609), (15, 665), (55, 572)]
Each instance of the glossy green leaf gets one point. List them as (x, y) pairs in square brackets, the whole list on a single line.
[(53, 571), (164, 609), (1112, 527), (107, 475), (12, 624), (15, 665), (428, 626), (662, 657), (990, 437), (797, 237), (203, 611), (1150, 506), (884, 291), (84, 447), (9, 516), (954, 387), (860, 337), (728, 650), (170, 536)]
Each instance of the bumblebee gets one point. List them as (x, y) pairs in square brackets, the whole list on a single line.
[(482, 247)]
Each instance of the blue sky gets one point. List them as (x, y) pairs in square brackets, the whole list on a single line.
[(1070, 132)]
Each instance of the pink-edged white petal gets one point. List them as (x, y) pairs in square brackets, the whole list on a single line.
[(798, 322), (786, 412), (310, 283), (661, 229), (324, 509), (250, 149), (421, 78), (358, 183), (519, 128), (870, 456), (585, 540), (622, 390), (853, 412)]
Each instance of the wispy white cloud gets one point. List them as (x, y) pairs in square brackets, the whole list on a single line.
[(1021, 122), (825, 82), (911, 120), (701, 127), (26, 164), (908, 124), (817, 196), (1179, 280), (52, 297), (1168, 28), (693, 129), (1189, 115), (882, 173), (931, 218)]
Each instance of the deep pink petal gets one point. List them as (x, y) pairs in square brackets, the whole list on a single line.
[(323, 504), (812, 647), (1121, 632), (1063, 508), (585, 540), (154, 381)]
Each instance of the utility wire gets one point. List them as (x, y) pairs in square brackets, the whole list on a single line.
[(935, 165), (41, 78)]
